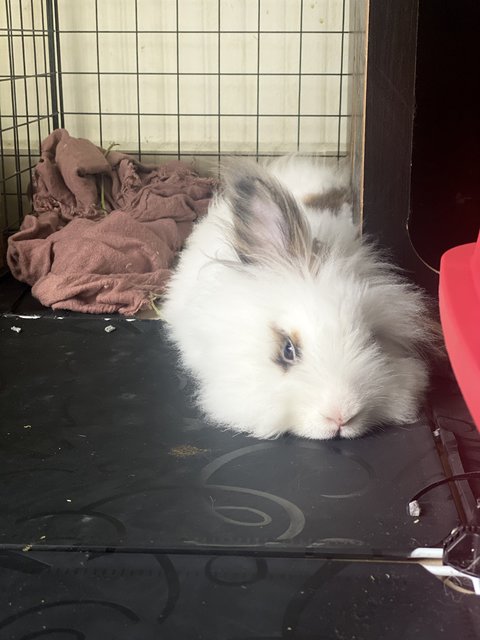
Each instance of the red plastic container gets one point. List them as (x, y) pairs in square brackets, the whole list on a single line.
[(459, 298)]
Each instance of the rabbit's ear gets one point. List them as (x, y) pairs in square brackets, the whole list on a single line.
[(268, 224)]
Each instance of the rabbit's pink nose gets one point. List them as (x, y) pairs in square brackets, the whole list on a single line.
[(341, 419), (338, 419)]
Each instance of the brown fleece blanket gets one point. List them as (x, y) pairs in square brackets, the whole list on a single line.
[(105, 228)]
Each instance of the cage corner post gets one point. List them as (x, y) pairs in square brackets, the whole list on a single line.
[(55, 64), (389, 116)]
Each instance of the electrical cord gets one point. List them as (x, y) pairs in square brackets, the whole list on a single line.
[(414, 508)]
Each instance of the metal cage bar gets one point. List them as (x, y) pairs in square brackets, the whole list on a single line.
[(41, 71), (31, 100)]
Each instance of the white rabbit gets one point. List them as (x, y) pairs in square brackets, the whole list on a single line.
[(287, 318)]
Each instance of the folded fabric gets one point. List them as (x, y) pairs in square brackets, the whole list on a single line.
[(105, 228)]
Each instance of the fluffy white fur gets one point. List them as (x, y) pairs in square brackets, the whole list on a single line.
[(360, 325)]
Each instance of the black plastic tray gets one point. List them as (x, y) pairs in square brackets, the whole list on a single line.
[(101, 449), (64, 596)]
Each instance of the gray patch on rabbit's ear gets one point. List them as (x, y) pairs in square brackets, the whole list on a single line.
[(334, 199), (319, 249), (268, 223)]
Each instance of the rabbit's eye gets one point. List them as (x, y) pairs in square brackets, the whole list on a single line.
[(289, 354), (288, 350)]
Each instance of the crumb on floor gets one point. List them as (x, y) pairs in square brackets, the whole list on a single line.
[(185, 451)]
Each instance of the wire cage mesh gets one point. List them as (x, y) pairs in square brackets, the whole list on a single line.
[(171, 78)]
